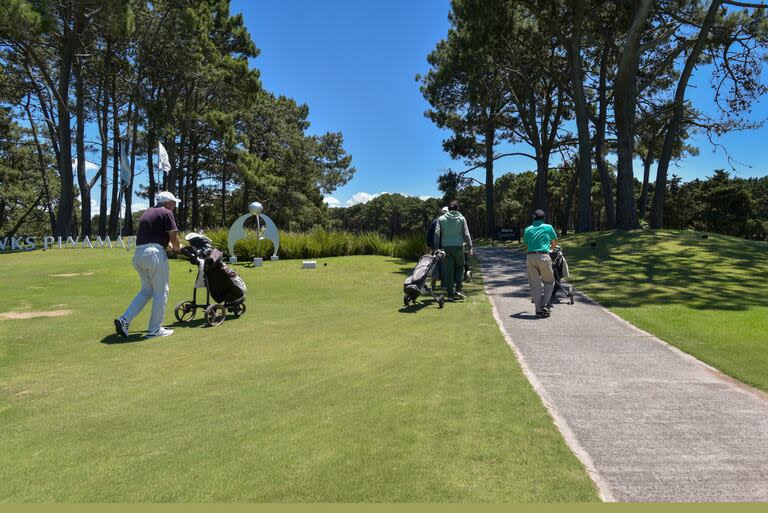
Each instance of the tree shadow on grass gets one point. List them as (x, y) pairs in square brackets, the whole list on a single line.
[(631, 269), (406, 266)]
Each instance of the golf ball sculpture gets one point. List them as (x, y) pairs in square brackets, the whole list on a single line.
[(237, 230)]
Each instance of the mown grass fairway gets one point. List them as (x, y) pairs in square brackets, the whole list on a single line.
[(706, 296), (326, 390)]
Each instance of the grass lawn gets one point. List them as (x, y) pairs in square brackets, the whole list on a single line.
[(707, 297), (326, 390)]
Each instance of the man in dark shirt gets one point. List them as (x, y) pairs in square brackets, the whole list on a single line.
[(157, 229)]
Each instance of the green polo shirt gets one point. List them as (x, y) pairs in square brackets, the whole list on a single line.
[(538, 236)]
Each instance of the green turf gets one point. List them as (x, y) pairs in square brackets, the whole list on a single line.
[(326, 390), (707, 297)]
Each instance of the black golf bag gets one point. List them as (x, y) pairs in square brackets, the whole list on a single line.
[(560, 272), (416, 284), (220, 282)]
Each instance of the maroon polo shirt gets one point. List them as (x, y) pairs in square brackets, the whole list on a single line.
[(154, 225)]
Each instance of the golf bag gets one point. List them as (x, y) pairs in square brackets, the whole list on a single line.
[(467, 272), (220, 282), (560, 272), (416, 284)]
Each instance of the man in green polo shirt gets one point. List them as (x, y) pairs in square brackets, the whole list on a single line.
[(540, 238), (451, 233)]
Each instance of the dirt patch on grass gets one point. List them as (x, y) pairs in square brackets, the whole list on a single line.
[(12, 316), (69, 275)]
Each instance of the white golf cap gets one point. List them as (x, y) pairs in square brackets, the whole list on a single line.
[(164, 197), (444, 210)]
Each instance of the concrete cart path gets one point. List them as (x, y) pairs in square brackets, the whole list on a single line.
[(649, 422)]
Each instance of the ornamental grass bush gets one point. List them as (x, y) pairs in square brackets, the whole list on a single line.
[(319, 243)]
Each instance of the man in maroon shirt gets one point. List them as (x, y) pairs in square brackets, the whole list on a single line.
[(157, 229)]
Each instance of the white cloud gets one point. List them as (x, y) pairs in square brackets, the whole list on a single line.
[(89, 166), (331, 202), (139, 205), (362, 197)]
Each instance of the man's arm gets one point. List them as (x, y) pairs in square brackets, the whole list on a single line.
[(173, 237), (468, 238)]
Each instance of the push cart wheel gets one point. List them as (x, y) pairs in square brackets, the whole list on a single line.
[(406, 300), (215, 314), (185, 311), (238, 310), (440, 301)]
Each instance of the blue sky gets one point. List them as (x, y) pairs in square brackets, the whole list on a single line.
[(354, 63)]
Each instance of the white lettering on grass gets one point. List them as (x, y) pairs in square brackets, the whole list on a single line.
[(29, 243), (102, 243)]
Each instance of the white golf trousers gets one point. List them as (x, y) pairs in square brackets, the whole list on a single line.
[(151, 262)]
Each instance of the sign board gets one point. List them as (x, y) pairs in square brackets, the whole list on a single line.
[(507, 233)]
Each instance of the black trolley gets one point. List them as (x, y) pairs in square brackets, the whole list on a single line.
[(416, 284), (221, 283)]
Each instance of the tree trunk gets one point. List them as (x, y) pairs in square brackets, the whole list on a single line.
[(673, 128), (114, 210), (43, 173), (569, 202), (82, 179), (625, 103), (69, 44), (223, 195), (170, 179), (542, 177), (606, 187), (181, 155), (128, 214), (195, 199), (152, 189), (490, 225), (647, 163), (584, 169), (104, 130)]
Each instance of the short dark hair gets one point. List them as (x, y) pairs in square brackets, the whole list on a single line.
[(454, 205), (539, 214)]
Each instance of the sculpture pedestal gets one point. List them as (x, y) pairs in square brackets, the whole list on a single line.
[(233, 260), (258, 262), (274, 258)]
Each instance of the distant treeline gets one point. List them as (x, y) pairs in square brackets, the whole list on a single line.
[(721, 203)]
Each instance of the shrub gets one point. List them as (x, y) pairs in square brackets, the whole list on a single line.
[(319, 243)]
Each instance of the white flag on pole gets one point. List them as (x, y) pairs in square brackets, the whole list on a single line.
[(125, 170), (162, 158)]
